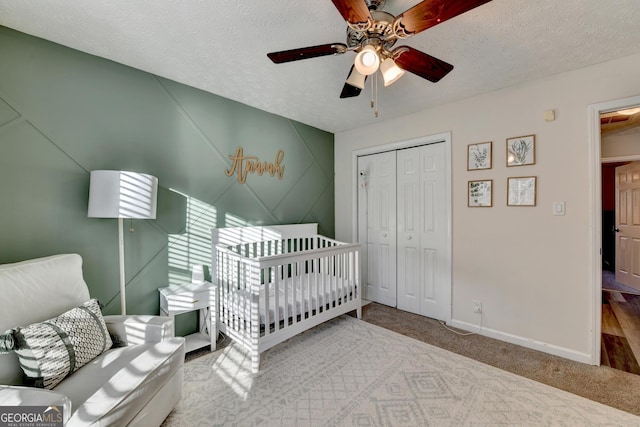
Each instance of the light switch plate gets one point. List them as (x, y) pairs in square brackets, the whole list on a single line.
[(558, 208)]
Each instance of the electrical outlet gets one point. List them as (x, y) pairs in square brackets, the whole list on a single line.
[(477, 306)]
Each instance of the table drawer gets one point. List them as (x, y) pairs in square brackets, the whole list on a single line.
[(185, 301)]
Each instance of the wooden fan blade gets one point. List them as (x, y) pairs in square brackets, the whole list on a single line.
[(430, 13), (420, 64), (307, 52), (355, 12), (349, 91)]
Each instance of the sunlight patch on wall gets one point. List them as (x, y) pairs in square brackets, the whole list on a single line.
[(234, 232), (193, 247), (235, 221)]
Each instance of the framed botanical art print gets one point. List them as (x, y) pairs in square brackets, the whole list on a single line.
[(479, 156), (521, 191), (521, 150), (480, 194)]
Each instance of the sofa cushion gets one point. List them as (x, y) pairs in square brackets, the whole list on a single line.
[(33, 291), (114, 387), (51, 350)]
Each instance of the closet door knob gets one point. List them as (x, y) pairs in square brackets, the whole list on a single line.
[(409, 237), (384, 234)]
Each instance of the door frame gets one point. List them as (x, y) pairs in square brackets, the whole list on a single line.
[(444, 138), (595, 202)]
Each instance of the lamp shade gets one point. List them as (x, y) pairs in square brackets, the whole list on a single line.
[(367, 60), (121, 194), (390, 71)]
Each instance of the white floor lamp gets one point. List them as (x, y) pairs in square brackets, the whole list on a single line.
[(120, 194)]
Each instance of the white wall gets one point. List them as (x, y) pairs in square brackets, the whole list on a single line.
[(621, 144), (530, 269)]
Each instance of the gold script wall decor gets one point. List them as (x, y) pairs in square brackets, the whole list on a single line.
[(243, 165)]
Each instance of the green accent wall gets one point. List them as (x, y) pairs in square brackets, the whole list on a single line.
[(64, 113)]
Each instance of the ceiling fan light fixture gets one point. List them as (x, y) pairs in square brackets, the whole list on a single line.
[(390, 71), (367, 60), (356, 79)]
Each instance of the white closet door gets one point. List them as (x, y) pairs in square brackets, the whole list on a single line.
[(377, 225), (423, 285)]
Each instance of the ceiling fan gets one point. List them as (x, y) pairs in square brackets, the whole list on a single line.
[(372, 34)]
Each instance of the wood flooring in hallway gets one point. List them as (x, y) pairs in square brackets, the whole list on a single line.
[(620, 339)]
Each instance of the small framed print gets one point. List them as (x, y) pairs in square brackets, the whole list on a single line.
[(521, 191), (479, 156), (521, 150), (480, 194)]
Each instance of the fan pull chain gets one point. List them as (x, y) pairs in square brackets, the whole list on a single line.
[(372, 103), (374, 94)]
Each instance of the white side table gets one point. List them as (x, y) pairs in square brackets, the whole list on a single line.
[(189, 297)]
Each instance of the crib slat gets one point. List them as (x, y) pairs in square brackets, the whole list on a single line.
[(345, 278), (307, 279), (334, 284), (228, 283), (355, 276), (294, 292), (298, 283), (240, 288), (316, 268), (300, 280), (237, 302), (220, 271), (344, 293), (339, 295), (283, 284), (276, 310), (254, 288), (243, 301), (323, 288), (266, 304), (350, 275)]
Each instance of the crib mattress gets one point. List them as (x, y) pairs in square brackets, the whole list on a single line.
[(312, 291)]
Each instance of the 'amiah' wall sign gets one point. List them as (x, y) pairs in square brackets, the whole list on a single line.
[(243, 165)]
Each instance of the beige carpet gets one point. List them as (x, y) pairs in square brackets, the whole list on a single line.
[(609, 386), (349, 372)]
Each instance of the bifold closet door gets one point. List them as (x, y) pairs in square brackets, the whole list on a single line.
[(377, 225), (423, 287)]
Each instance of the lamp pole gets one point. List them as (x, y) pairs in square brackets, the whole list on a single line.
[(123, 298)]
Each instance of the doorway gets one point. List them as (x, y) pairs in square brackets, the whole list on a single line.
[(620, 336), (606, 329), (403, 217)]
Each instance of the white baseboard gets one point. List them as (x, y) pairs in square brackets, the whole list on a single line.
[(525, 342)]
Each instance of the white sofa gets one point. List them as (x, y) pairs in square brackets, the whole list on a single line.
[(136, 384)]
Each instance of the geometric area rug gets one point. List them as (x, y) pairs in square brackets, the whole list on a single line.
[(347, 372)]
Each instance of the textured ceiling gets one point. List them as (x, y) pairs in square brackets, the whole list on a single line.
[(220, 46)]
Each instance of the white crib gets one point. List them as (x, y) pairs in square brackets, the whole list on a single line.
[(272, 283)]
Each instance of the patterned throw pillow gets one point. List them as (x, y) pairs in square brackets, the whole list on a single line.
[(51, 350)]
